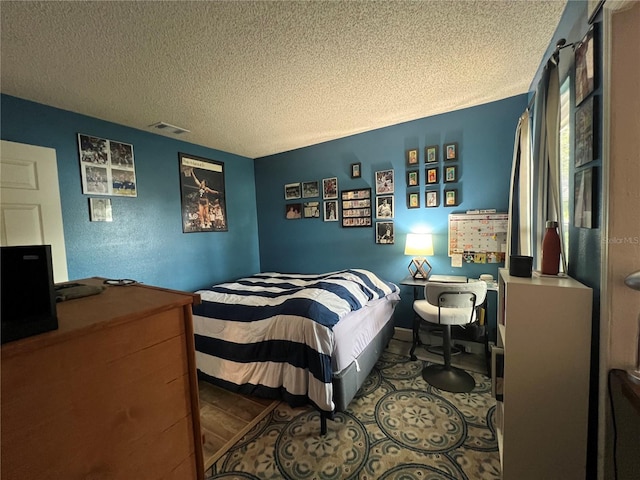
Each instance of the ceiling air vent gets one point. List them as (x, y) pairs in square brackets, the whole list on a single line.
[(168, 128)]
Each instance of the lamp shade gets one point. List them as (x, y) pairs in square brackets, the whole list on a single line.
[(419, 244)]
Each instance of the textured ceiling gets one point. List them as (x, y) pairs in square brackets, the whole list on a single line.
[(257, 78)]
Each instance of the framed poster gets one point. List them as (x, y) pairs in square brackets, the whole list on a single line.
[(584, 199), (202, 194), (413, 200), (329, 188), (330, 211), (107, 167), (384, 233), (412, 157), (585, 137), (356, 207), (431, 154), (384, 182), (585, 67), (450, 151), (384, 206)]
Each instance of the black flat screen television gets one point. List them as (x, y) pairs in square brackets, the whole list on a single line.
[(27, 292)]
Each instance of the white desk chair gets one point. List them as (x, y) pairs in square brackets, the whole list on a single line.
[(447, 304)]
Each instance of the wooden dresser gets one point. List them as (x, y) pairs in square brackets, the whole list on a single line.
[(111, 394)]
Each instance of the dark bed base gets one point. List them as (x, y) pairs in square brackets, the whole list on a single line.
[(347, 383)]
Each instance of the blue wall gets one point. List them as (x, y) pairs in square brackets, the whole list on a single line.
[(485, 136), (145, 240)]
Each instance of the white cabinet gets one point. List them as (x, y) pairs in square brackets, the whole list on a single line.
[(544, 331)]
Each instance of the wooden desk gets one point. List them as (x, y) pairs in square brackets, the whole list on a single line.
[(112, 393)]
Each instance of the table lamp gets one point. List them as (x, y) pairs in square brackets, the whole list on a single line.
[(419, 245)]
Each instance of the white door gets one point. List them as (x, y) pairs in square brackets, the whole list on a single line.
[(30, 210)]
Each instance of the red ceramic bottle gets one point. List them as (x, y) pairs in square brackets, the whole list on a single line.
[(551, 250)]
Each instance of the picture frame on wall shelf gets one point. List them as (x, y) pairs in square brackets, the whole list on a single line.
[(413, 200), (384, 206), (413, 178), (203, 198), (310, 189), (293, 211), (585, 67), (329, 188), (330, 210), (450, 151), (432, 198), (450, 174), (431, 154), (431, 175), (292, 191), (451, 197), (412, 157), (584, 198), (384, 182), (356, 170), (584, 133), (385, 233)]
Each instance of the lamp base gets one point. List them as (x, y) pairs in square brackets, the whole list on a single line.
[(417, 268)]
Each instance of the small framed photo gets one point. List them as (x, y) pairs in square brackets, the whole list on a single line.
[(355, 170), (451, 174), (329, 188), (432, 175), (384, 182), (100, 209), (413, 200), (451, 198), (413, 178), (584, 133), (311, 210), (451, 151), (330, 211), (432, 198), (384, 206), (412, 157), (310, 189), (293, 211), (384, 233), (431, 154), (292, 191)]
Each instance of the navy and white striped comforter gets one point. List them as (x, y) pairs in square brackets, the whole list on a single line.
[(271, 334)]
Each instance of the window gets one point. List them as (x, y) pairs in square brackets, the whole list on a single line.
[(565, 142)]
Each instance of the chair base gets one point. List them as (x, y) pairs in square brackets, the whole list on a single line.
[(439, 350), (449, 379)]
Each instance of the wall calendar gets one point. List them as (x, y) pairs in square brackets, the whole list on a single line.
[(478, 238)]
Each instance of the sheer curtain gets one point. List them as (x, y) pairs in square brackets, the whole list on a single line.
[(535, 176)]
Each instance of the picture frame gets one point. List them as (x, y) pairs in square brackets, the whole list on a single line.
[(356, 207), (585, 71), (451, 197), (356, 170), (203, 198), (100, 210), (385, 234), (293, 211), (431, 175), (450, 151), (384, 182), (450, 173), (413, 178), (329, 188), (310, 189), (412, 157), (107, 167), (585, 137), (330, 211), (311, 210), (431, 154), (432, 198), (413, 200), (292, 191), (584, 211), (384, 206)]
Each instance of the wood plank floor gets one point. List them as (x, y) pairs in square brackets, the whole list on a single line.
[(225, 417)]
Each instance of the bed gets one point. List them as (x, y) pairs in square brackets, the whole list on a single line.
[(305, 339)]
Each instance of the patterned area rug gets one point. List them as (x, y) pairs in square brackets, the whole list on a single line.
[(397, 427)]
